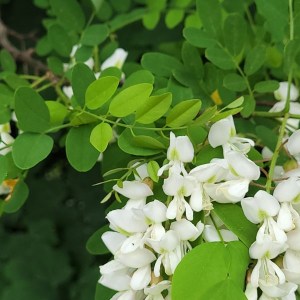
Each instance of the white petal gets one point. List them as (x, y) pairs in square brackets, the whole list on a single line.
[(134, 189), (117, 282), (287, 190), (113, 240), (220, 133), (155, 211), (185, 229), (172, 210), (251, 292), (211, 172), (210, 234), (251, 210), (170, 241), (285, 219), (255, 274), (158, 288), (127, 220), (136, 259), (241, 166), (180, 149), (196, 200), (293, 144), (141, 278), (282, 92), (117, 59), (132, 243)]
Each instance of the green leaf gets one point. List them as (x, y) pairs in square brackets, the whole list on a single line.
[(103, 293), (206, 115), (207, 153), (255, 60), (69, 13), (267, 136), (152, 168), (234, 218), (60, 40), (151, 19), (276, 14), (197, 134), (154, 108), (183, 113), (235, 33), (6, 95), (57, 111), (82, 77), (226, 114), (160, 64), (14, 81), (144, 141), (130, 99), (248, 106), (18, 197), (126, 144), (198, 37), (140, 76), (7, 62), (5, 114), (211, 16), (219, 57), (97, 4), (94, 35), (235, 82), (207, 266), (95, 245), (236, 103), (267, 86), (3, 168), (80, 153), (100, 91), (31, 148), (173, 17), (31, 110), (55, 65), (100, 136)]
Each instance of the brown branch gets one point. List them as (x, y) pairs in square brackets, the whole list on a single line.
[(23, 56)]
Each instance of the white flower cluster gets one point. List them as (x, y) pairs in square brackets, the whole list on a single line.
[(278, 236), (150, 237)]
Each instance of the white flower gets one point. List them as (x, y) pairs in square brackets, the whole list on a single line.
[(293, 144), (128, 221), (136, 191), (231, 191), (260, 207), (282, 92), (68, 91), (180, 151), (170, 253), (241, 166), (178, 186), (223, 133), (186, 230), (291, 265), (117, 59), (154, 291)]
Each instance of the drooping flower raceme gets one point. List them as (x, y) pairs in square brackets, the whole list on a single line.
[(156, 227)]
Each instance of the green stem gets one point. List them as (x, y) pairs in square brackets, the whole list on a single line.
[(291, 20), (276, 153), (44, 87), (103, 119), (59, 127)]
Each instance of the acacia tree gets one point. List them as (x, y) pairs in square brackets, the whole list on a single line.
[(190, 108)]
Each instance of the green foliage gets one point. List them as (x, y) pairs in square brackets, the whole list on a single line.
[(130, 99), (80, 153), (31, 148), (31, 111), (100, 91), (100, 136), (210, 268)]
